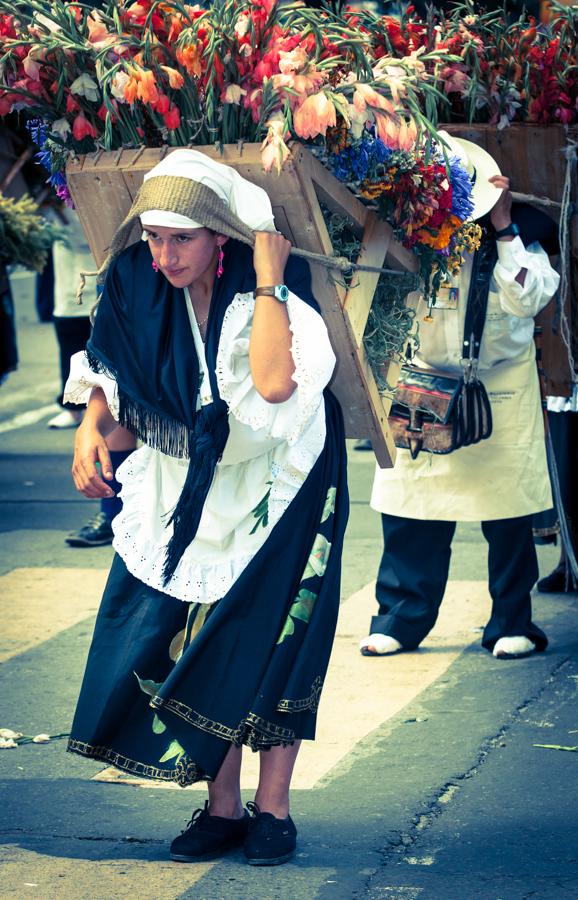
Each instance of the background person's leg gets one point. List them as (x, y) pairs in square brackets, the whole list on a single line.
[(512, 570), (412, 577), (98, 530), (72, 333)]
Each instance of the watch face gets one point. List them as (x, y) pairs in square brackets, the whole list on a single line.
[(282, 293)]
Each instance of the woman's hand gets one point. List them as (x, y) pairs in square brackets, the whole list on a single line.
[(501, 215), (90, 448), (270, 257)]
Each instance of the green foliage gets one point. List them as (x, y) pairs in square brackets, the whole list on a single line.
[(25, 236)]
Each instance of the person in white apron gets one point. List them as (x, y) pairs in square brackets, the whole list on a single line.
[(500, 482)]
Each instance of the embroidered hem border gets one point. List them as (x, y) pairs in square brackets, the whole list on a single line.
[(307, 703), (255, 732), (185, 772)]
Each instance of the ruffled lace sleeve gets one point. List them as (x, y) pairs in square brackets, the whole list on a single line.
[(82, 380), (314, 363), (524, 301)]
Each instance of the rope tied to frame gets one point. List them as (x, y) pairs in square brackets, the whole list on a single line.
[(566, 212)]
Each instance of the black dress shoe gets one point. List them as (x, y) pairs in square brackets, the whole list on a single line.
[(96, 533), (270, 841), (207, 837), (557, 582)]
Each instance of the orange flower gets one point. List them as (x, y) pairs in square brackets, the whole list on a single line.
[(147, 89), (315, 115), (175, 29), (98, 34), (441, 239), (176, 80), (190, 59), (130, 89)]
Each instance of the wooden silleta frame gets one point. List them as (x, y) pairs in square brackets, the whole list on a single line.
[(104, 185)]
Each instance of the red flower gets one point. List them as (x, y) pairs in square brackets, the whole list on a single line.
[(162, 105), (71, 105), (82, 128), (172, 118)]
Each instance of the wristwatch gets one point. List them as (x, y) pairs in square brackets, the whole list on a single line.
[(279, 291), (512, 229)]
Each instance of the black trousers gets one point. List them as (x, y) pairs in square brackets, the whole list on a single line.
[(414, 570)]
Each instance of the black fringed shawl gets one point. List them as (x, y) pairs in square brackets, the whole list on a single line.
[(142, 338)]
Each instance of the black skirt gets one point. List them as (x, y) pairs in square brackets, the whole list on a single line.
[(170, 686)]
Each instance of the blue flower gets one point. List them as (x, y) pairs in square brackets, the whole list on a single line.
[(358, 161), (462, 203), (38, 132)]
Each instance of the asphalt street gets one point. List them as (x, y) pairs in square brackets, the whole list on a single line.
[(428, 781)]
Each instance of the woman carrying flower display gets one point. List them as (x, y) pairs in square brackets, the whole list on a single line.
[(217, 621)]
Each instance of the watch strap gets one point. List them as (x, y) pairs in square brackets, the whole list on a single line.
[(268, 291), (511, 229)]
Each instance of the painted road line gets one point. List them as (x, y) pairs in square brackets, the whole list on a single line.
[(24, 396), (37, 604), (28, 418), (85, 872), (361, 693)]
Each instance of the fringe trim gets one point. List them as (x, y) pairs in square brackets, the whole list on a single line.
[(162, 433)]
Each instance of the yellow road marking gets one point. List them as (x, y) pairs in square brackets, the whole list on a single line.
[(37, 604), (360, 693), (30, 873)]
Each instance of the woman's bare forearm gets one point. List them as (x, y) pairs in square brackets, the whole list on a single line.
[(270, 355), (98, 415)]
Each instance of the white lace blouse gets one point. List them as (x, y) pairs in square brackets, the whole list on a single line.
[(269, 453)]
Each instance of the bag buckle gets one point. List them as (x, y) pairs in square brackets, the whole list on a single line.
[(470, 362)]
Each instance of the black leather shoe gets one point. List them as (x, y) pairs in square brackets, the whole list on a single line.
[(96, 533), (270, 841), (556, 583), (207, 837)]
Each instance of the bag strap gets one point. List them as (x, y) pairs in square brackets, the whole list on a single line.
[(475, 319)]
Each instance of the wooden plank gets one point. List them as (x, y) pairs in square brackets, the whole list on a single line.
[(337, 197), (530, 155), (375, 242)]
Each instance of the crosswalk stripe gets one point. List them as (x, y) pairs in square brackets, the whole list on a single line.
[(360, 694)]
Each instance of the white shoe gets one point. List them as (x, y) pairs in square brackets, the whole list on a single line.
[(68, 418), (512, 647), (379, 645)]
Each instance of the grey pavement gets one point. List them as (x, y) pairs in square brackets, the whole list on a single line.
[(448, 798)]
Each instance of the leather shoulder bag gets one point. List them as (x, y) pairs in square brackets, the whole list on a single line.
[(438, 412)]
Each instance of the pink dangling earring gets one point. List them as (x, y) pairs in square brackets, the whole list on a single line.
[(220, 259), (155, 265)]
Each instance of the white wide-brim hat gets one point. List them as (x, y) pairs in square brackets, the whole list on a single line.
[(480, 166)]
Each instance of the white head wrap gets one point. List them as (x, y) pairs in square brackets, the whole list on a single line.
[(249, 202)]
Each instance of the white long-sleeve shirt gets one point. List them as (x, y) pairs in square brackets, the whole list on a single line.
[(270, 450), (509, 327)]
